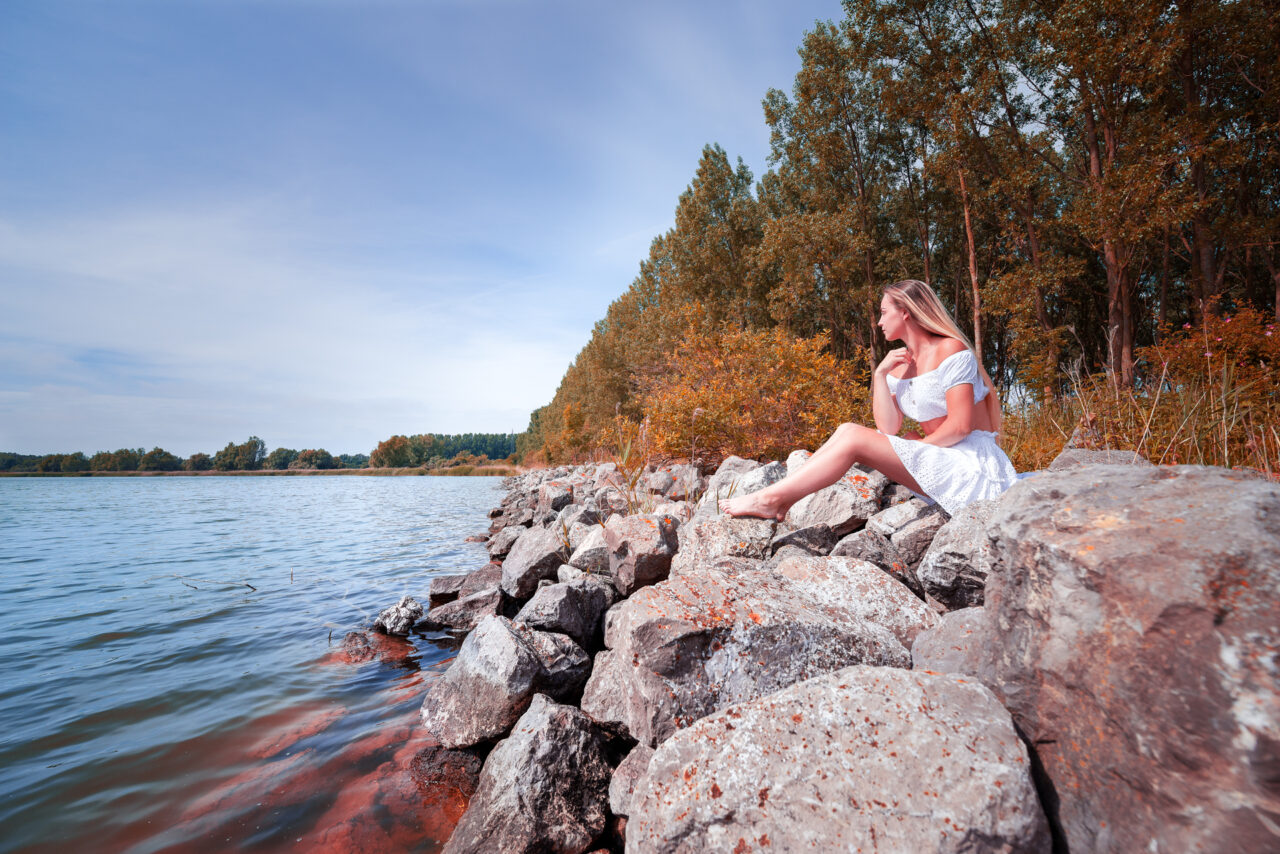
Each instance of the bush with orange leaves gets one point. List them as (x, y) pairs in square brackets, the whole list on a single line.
[(1208, 395), (758, 394)]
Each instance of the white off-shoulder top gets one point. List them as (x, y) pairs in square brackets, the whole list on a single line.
[(924, 396)]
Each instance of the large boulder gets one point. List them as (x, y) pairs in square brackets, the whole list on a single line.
[(1133, 631), (535, 556), (875, 548), (712, 637), (844, 506), (486, 688), (706, 538), (565, 664), (815, 540), (640, 550), (553, 497), (862, 759), (543, 789), (954, 567)]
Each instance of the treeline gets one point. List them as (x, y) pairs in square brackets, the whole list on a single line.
[(442, 450), (246, 456), (1074, 179), (431, 451)]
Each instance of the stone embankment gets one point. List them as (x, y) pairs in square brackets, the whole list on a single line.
[(1088, 664)]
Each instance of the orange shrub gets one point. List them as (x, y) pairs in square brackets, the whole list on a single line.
[(753, 393)]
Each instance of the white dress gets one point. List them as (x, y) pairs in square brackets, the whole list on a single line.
[(970, 470)]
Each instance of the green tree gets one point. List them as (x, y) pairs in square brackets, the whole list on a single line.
[(280, 458), (314, 459), (158, 459), (198, 462)]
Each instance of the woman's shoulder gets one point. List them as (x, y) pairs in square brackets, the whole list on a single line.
[(945, 349)]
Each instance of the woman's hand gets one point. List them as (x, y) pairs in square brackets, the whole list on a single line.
[(894, 360)]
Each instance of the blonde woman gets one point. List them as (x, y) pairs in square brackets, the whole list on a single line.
[(935, 379)]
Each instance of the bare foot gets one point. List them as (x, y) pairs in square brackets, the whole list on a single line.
[(756, 505)]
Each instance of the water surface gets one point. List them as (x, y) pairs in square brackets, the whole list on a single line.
[(172, 674)]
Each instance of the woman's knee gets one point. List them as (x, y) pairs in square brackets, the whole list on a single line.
[(853, 435)]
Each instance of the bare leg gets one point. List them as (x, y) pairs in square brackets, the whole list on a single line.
[(849, 444)]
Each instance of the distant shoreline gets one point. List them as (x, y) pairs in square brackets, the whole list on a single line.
[(457, 471)]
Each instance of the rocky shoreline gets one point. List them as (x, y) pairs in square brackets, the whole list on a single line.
[(1087, 664)]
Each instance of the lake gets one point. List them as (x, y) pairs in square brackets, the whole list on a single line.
[(172, 674)]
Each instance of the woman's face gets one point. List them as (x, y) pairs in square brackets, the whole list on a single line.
[(893, 320)]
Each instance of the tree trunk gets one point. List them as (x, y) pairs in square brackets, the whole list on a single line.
[(973, 266)]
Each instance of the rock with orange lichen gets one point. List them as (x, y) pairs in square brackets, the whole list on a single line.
[(955, 565), (948, 646), (1133, 631), (545, 788), (640, 550), (535, 556), (864, 758), (706, 538), (553, 497), (708, 638), (845, 506), (875, 548)]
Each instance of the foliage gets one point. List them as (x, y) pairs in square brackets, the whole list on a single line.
[(156, 459), (759, 394), (125, 459), (1074, 179), (314, 459), (247, 456), (198, 462), (280, 458)]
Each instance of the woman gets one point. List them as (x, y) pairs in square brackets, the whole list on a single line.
[(935, 379)]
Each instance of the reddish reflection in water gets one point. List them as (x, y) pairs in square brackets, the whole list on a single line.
[(319, 777)]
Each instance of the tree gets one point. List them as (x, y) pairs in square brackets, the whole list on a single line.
[(198, 462), (280, 458), (158, 459), (391, 453)]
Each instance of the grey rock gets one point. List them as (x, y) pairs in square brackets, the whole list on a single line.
[(706, 639), (955, 566), (948, 646), (686, 483), (399, 618), (1133, 630), (896, 493), (575, 608), (914, 538), (865, 758), (640, 550), (578, 532), (622, 786), (815, 540), (553, 497), (535, 556), (660, 481), (543, 789), (500, 545), (484, 578), (705, 538), (731, 481), (463, 615), (486, 688), (1075, 457), (592, 554), (875, 548), (779, 556), (444, 589), (565, 665), (844, 506)]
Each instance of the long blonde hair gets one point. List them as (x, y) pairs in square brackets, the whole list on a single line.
[(918, 300)]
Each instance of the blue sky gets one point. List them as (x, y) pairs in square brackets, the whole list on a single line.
[(323, 222)]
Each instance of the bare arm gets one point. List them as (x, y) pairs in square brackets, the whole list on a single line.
[(883, 407), (960, 415)]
